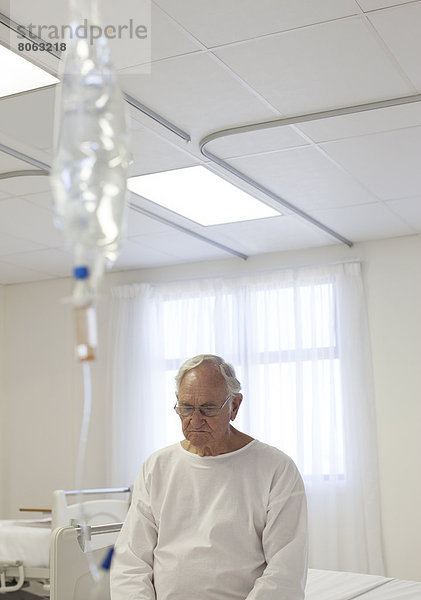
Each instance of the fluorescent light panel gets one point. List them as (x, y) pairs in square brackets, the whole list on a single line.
[(198, 194), (20, 75)]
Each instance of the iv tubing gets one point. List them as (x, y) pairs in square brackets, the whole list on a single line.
[(87, 406)]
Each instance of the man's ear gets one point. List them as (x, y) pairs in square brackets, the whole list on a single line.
[(235, 405)]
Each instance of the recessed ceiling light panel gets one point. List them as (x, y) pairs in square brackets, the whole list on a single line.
[(20, 75), (198, 194)]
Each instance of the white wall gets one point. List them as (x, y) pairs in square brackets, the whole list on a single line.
[(2, 405), (43, 398), (393, 287), (43, 393)]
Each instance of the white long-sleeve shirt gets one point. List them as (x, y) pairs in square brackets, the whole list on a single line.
[(226, 527)]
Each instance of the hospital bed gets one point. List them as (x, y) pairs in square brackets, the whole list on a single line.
[(25, 544), (71, 580), (70, 577)]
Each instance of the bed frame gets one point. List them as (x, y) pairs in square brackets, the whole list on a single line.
[(94, 512), (70, 573)]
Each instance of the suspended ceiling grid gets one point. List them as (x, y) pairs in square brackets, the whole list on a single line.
[(231, 63)]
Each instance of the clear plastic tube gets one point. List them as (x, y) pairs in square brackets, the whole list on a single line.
[(86, 416), (81, 459)]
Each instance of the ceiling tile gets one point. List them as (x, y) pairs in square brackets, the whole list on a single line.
[(151, 154), (182, 247), (272, 235), (362, 223), (130, 51), (21, 186), (10, 163), (51, 261), (304, 177), (29, 117), (400, 29), (9, 244), (10, 274), (363, 123), (26, 13), (254, 142), (130, 45), (136, 254), (318, 67), (43, 200), (138, 224), (171, 40), (196, 93), (408, 209), (388, 164), (376, 4), (25, 220), (221, 22)]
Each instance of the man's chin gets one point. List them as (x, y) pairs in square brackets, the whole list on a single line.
[(197, 437)]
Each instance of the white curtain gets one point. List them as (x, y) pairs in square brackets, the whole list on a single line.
[(299, 341)]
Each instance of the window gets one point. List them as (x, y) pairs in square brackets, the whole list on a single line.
[(296, 360)]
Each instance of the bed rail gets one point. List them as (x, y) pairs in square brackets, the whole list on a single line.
[(120, 490), (98, 529), (84, 532)]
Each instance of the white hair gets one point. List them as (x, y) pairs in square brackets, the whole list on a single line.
[(227, 371)]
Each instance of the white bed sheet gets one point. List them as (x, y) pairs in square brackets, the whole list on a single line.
[(397, 589), (338, 585), (25, 540)]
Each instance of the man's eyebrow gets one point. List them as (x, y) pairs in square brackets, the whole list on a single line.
[(210, 403)]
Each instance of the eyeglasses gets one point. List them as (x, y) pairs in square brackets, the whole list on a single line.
[(186, 410)]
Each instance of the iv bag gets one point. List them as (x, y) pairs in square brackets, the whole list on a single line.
[(91, 158)]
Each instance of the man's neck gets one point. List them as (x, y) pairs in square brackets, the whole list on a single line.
[(235, 441)]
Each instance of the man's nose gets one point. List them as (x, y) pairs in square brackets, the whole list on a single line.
[(197, 416)]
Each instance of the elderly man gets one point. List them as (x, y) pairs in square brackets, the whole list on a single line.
[(219, 516)]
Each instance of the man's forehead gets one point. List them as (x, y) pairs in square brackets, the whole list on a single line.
[(204, 376)]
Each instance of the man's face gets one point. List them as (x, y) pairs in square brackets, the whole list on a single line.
[(205, 386)]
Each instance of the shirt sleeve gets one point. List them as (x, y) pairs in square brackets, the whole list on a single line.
[(284, 540), (131, 576)]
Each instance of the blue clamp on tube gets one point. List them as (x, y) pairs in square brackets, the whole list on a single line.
[(106, 563), (81, 272)]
